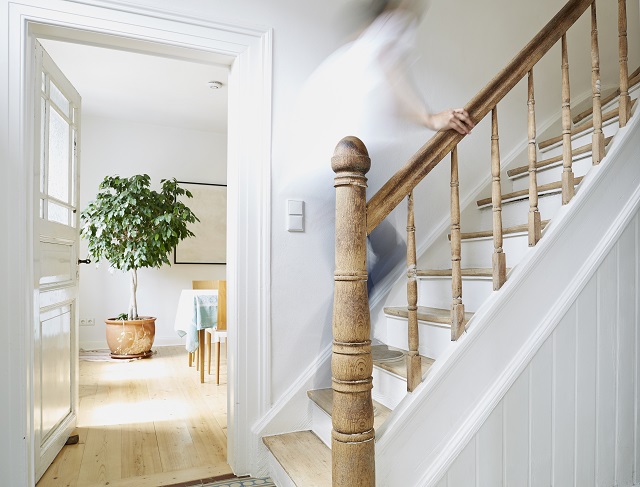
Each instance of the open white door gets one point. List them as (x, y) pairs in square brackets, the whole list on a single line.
[(57, 124)]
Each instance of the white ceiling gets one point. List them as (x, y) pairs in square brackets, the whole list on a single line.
[(144, 88)]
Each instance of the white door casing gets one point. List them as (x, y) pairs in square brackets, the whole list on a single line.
[(248, 210), (56, 226)]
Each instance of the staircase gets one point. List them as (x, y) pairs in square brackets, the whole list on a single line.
[(423, 328)]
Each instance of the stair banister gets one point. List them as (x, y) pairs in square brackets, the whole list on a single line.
[(457, 308), (533, 219), (568, 186), (597, 141), (625, 99), (499, 258), (414, 365), (430, 154), (352, 436)]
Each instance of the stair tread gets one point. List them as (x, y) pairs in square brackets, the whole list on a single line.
[(305, 458), (611, 114), (524, 193), (634, 79), (505, 231), (399, 367), (324, 399), (470, 271), (433, 315), (553, 160)]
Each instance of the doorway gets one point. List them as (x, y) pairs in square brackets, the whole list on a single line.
[(248, 183), (141, 114)]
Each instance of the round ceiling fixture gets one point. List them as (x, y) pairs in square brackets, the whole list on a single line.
[(215, 85)]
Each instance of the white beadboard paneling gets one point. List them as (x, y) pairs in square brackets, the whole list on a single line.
[(463, 470), (606, 380), (541, 370), (626, 356), (571, 418), (489, 451), (585, 454), (516, 432), (564, 402)]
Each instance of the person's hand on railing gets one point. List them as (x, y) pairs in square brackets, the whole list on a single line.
[(453, 119)]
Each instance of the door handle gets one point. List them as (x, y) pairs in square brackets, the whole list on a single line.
[(84, 261)]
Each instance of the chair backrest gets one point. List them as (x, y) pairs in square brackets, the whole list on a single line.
[(203, 284), (221, 286)]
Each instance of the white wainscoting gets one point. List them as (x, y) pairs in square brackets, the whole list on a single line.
[(571, 417)]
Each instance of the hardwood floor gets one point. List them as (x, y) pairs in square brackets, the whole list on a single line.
[(145, 423)]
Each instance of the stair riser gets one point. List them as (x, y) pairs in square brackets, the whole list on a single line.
[(479, 252), (388, 389), (433, 337), (609, 128), (551, 174), (516, 212), (278, 473), (321, 424), (436, 292)]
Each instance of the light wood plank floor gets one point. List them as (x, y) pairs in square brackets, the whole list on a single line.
[(145, 421)]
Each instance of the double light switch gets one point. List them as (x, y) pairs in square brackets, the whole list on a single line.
[(295, 216)]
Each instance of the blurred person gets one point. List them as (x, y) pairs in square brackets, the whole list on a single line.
[(365, 89)]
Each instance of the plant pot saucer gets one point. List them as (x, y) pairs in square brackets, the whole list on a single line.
[(146, 354)]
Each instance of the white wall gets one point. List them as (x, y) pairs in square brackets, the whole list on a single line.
[(570, 417), (125, 148)]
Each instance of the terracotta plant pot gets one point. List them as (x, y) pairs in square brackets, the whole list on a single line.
[(131, 338)]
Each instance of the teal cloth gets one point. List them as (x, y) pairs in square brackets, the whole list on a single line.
[(205, 315)]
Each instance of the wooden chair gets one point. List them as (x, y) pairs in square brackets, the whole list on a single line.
[(220, 332)]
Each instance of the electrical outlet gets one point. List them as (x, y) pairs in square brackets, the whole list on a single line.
[(83, 322), (91, 322)]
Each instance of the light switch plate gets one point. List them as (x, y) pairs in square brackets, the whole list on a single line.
[(295, 207), (295, 223)]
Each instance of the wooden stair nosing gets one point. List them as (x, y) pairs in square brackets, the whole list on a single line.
[(468, 272), (634, 79), (524, 193), (303, 456), (548, 162), (505, 231), (399, 367), (431, 315), (583, 127), (324, 399)]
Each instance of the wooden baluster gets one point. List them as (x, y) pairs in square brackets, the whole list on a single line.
[(351, 364), (499, 258), (597, 143), (567, 156), (534, 213), (414, 368), (457, 308), (623, 48)]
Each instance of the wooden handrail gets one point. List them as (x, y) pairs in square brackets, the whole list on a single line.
[(431, 153)]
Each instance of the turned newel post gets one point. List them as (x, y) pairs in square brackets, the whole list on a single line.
[(351, 364)]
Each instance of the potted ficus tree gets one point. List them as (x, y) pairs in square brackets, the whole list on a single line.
[(133, 227)]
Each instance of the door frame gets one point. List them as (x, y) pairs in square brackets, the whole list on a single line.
[(249, 196)]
